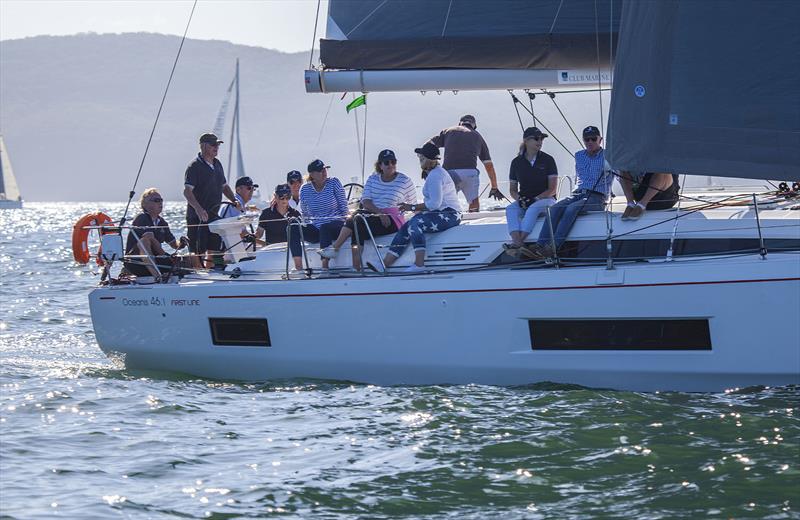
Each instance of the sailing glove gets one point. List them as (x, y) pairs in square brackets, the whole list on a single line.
[(496, 194)]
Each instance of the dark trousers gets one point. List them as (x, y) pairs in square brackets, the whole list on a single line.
[(374, 223), (325, 234), (200, 238)]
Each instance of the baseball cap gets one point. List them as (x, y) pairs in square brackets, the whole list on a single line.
[(294, 175), (386, 155), (468, 118), (317, 166), (210, 138), (245, 181), (532, 131), (428, 150), (590, 131), (283, 190)]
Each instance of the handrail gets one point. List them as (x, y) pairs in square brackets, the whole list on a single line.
[(560, 181), (372, 239), (762, 248), (295, 222)]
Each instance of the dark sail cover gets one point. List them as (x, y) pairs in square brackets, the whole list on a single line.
[(469, 34), (708, 88)]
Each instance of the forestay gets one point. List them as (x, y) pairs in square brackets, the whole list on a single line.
[(708, 88)]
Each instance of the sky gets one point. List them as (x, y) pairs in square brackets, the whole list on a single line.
[(285, 25)]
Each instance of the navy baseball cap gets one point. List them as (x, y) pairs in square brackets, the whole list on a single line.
[(591, 131), (317, 166), (470, 120), (386, 155), (283, 190), (428, 150), (245, 181), (532, 131), (210, 138), (293, 176)]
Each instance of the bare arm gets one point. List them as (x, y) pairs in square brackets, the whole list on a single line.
[(552, 188), (491, 173), (188, 192), (513, 186)]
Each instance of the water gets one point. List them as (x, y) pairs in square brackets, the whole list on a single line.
[(83, 438)]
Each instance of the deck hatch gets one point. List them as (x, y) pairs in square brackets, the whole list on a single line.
[(240, 332), (620, 334)]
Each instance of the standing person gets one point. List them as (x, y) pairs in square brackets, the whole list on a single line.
[(593, 180), (648, 191), (437, 213), (324, 209), (534, 182), (204, 183), (463, 146), (152, 231), (244, 192), (295, 180), (384, 191), (274, 219)]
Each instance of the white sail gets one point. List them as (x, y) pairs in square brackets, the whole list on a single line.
[(9, 191)]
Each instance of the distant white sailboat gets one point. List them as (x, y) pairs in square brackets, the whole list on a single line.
[(10, 197)]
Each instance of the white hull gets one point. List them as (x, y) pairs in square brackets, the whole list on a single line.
[(10, 204), (471, 327)]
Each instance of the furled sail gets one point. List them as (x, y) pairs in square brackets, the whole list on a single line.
[(514, 41), (8, 183), (708, 88)]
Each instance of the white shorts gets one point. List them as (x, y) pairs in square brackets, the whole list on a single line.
[(467, 181)]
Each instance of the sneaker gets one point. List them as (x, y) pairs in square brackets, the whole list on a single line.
[(328, 252), (636, 212), (414, 268)]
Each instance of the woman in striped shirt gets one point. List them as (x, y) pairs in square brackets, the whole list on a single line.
[(324, 208), (384, 191)]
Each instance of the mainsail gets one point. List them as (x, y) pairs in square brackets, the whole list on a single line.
[(8, 183), (429, 44), (708, 88), (234, 143)]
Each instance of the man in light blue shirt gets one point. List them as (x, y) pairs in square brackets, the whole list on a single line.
[(592, 188), (244, 192)]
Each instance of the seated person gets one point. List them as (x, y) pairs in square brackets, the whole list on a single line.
[(244, 192), (648, 191), (295, 181), (534, 182), (152, 230), (273, 220), (593, 180), (438, 213), (324, 209), (384, 190)]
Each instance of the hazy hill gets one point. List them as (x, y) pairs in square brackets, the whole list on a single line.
[(76, 112)]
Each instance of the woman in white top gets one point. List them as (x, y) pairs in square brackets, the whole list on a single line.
[(384, 190), (438, 213)]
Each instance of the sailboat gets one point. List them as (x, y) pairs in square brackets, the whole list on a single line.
[(704, 297), (10, 197)]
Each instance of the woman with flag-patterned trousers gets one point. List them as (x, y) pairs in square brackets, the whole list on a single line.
[(427, 222)]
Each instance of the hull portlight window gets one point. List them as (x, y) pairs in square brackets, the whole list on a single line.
[(240, 332), (620, 334)]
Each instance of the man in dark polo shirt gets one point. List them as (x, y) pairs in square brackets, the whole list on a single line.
[(204, 185), (463, 146)]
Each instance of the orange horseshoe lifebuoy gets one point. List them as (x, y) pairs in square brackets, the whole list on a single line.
[(80, 236)]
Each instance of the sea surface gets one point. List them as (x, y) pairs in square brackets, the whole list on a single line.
[(83, 438)]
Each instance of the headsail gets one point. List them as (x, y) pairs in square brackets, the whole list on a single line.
[(234, 143), (8, 183), (424, 44), (708, 88)]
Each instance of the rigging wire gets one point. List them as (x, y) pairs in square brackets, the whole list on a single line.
[(553, 25), (597, 48), (158, 115), (516, 101), (553, 99), (314, 38), (364, 148), (358, 137), (324, 122)]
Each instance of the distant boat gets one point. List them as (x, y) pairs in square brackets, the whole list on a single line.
[(10, 197)]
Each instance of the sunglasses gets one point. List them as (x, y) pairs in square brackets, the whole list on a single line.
[(249, 188), (156, 200), (590, 139), (535, 138), (388, 162), (283, 197)]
